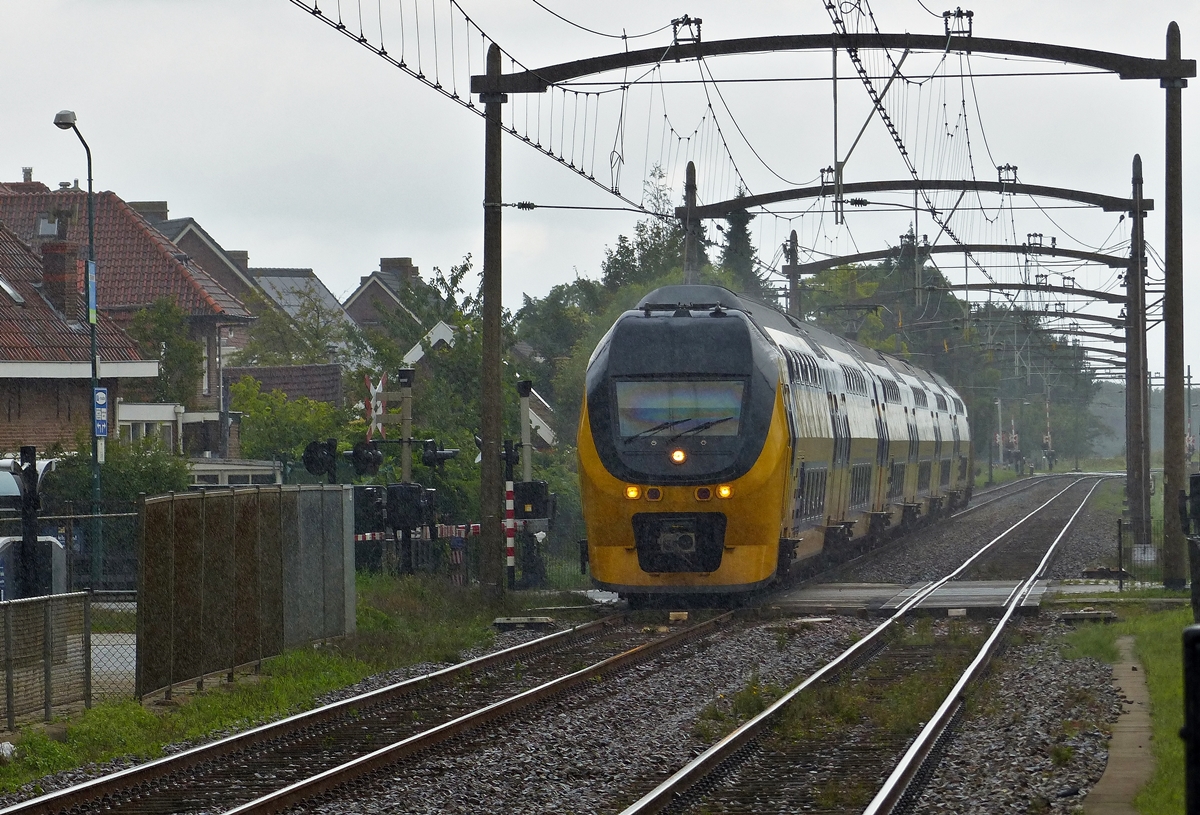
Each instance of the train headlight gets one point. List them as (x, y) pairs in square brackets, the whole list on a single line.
[(703, 494), (678, 456), (633, 492), (724, 491), (653, 494)]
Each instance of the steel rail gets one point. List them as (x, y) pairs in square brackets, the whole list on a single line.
[(704, 764), (996, 493), (364, 765), (79, 795), (893, 789)]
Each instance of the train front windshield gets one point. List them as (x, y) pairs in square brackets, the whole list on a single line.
[(672, 408)]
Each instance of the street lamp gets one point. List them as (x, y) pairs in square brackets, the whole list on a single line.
[(65, 120)]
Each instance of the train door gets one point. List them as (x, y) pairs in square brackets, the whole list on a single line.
[(835, 504), (882, 442)]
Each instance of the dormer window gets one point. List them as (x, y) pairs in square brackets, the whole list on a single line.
[(7, 288), (47, 225)]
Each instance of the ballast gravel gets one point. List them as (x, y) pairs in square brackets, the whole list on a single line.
[(596, 750), (1035, 735), (1033, 740)]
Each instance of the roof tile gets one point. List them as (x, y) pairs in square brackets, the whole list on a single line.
[(33, 331), (136, 264)]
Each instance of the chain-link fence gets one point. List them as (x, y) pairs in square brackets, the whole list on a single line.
[(46, 654), (113, 624), (552, 563), (101, 550), (1141, 563)]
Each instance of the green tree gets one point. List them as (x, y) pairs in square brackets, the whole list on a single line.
[(737, 256), (274, 427), (554, 325), (657, 246), (145, 466), (314, 333), (161, 332)]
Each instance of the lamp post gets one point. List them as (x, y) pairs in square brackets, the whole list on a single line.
[(65, 120)]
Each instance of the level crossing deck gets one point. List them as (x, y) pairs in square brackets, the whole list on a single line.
[(955, 599)]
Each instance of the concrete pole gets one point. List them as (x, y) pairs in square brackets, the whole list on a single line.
[(1137, 440), (490, 484), (999, 432), (794, 305), (691, 242), (524, 389), (1174, 478), (406, 375)]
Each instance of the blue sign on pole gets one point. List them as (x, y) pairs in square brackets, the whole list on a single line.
[(100, 407), (91, 286)]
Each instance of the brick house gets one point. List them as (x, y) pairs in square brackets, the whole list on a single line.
[(383, 290), (136, 265), (288, 289), (45, 347)]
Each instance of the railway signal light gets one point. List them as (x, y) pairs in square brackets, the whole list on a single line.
[(434, 455), (320, 458), (366, 458)]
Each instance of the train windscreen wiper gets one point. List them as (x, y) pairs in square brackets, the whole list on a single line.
[(699, 427), (658, 428)]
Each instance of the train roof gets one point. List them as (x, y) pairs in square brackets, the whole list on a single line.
[(706, 297)]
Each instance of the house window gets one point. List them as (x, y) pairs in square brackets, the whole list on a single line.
[(204, 380)]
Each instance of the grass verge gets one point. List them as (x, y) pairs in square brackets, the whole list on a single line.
[(1158, 635), (401, 621)]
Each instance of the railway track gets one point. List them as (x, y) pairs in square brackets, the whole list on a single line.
[(266, 768), (838, 570), (316, 756), (759, 767)]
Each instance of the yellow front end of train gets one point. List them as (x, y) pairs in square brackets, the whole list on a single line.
[(745, 511)]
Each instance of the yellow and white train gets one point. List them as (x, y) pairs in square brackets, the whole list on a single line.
[(722, 442)]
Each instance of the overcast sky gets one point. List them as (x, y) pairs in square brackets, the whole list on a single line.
[(286, 139)]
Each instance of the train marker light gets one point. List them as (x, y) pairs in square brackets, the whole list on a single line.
[(633, 492), (724, 491), (678, 456), (653, 494), (703, 493)]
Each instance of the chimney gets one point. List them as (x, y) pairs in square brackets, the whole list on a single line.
[(398, 271), (60, 276), (153, 211), (27, 174), (241, 258)]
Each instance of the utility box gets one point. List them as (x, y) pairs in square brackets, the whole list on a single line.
[(531, 499), (370, 526), (52, 553), (405, 505)]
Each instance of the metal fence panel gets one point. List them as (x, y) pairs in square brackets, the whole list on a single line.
[(333, 589), (187, 605), (247, 622), (270, 568), (216, 603), (43, 654), (154, 598), (247, 573), (304, 598)]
